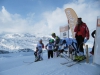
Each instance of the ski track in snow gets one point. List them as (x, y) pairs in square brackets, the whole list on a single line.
[(15, 66)]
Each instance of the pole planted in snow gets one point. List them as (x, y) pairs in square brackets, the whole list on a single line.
[(87, 57)]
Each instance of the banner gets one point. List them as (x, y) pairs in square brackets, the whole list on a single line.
[(64, 31), (96, 58), (72, 19)]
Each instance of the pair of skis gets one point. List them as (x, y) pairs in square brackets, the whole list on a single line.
[(71, 63), (30, 62)]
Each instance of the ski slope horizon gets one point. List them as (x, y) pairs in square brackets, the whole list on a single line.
[(14, 64), (16, 41)]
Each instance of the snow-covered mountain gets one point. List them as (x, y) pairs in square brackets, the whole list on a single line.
[(14, 42), (26, 41)]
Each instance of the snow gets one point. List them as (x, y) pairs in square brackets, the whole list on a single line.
[(12, 64)]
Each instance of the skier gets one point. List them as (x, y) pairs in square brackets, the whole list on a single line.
[(56, 43), (68, 43), (50, 48), (40, 45), (81, 32), (73, 48)]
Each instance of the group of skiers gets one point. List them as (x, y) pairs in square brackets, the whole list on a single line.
[(59, 46)]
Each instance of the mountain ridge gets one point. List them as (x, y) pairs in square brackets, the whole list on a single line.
[(15, 41)]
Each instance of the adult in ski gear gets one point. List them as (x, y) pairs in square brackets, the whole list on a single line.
[(56, 43), (93, 35), (69, 43), (40, 45), (73, 49), (81, 32), (50, 48)]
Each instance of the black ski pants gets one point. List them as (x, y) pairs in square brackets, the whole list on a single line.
[(50, 54), (80, 41)]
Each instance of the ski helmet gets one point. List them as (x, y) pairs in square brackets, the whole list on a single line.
[(53, 34), (51, 40)]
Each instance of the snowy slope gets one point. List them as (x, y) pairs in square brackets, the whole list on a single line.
[(12, 64)]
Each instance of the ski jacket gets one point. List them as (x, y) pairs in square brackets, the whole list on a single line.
[(57, 40), (63, 47), (83, 30), (69, 41), (50, 46), (40, 46)]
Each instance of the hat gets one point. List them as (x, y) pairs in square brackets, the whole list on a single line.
[(64, 41), (80, 18), (51, 40), (53, 34), (40, 40)]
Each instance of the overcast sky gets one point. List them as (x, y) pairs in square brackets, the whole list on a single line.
[(44, 16)]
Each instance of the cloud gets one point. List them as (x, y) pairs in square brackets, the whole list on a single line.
[(51, 20), (11, 22), (84, 9)]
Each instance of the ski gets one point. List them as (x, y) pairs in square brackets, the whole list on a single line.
[(69, 65), (66, 57), (74, 63), (66, 62), (27, 62)]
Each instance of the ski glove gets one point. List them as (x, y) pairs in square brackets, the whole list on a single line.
[(85, 40)]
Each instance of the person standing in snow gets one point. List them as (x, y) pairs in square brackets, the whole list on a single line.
[(56, 43), (81, 32), (93, 35), (50, 47), (40, 45)]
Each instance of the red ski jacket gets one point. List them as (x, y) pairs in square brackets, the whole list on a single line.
[(84, 31)]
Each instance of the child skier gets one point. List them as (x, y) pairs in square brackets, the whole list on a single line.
[(50, 48), (40, 45)]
